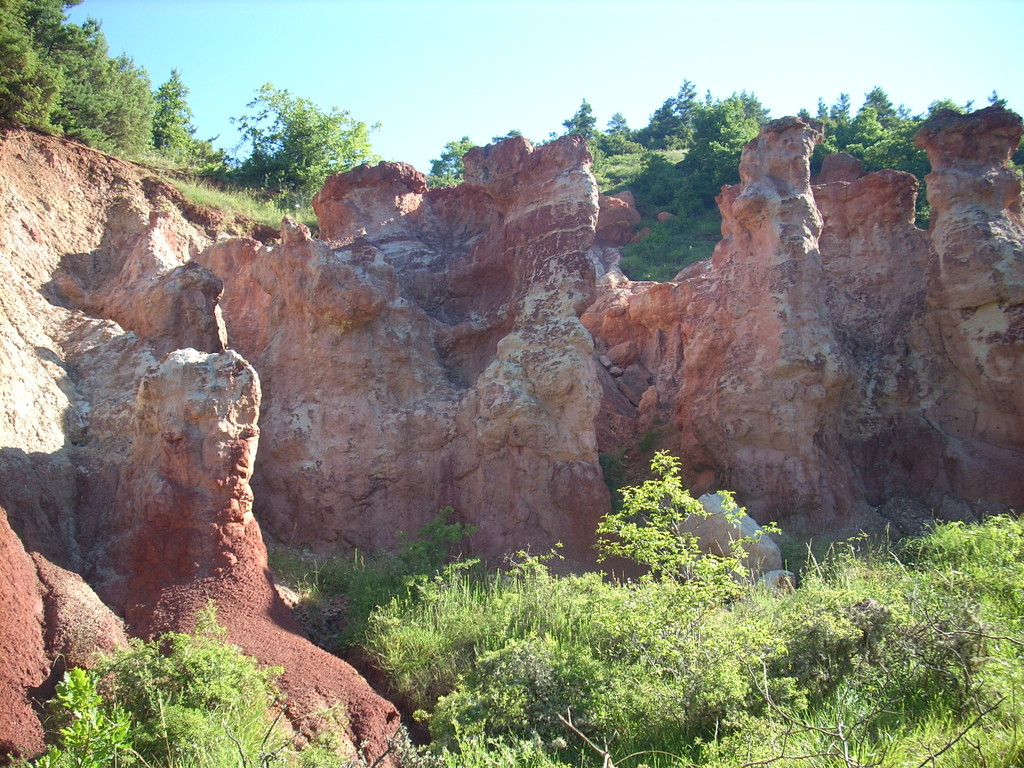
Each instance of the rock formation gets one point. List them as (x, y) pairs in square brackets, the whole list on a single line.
[(833, 362), (86, 243), (975, 298), (188, 536), (21, 647), (473, 347), (616, 219), (430, 355)]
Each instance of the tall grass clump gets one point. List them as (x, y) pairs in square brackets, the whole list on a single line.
[(363, 581), (884, 656), (246, 203)]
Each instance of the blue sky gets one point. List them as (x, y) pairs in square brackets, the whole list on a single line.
[(431, 72)]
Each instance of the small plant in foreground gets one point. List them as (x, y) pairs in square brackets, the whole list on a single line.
[(95, 736), (193, 699), (648, 530)]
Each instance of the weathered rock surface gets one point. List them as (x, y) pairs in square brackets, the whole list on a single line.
[(25, 664), (431, 355), (975, 298), (831, 356), (184, 511), (85, 242), (243, 300), (617, 217)]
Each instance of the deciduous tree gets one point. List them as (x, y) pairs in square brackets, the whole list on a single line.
[(295, 145)]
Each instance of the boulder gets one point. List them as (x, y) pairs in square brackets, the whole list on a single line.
[(717, 529), (616, 220), (839, 166)]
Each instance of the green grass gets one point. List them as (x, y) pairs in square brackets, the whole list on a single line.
[(905, 657), (244, 203), (363, 581), (671, 246)]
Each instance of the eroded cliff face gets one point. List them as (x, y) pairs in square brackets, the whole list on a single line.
[(836, 366), (429, 354), (975, 298), (118, 503)]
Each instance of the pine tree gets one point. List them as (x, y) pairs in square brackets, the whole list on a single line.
[(172, 120)]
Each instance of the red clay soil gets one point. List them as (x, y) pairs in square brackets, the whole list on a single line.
[(21, 648), (260, 623)]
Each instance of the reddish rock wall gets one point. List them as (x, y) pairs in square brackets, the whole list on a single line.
[(25, 665), (975, 298), (431, 355), (832, 361), (85, 242)]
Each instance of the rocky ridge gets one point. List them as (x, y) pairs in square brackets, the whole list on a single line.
[(472, 347), (123, 480)]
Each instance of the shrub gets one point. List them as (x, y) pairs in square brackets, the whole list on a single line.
[(93, 736), (365, 581), (194, 699), (671, 246), (869, 662)]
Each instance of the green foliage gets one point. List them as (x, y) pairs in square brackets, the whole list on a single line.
[(615, 170), (583, 123), (879, 658), (172, 120), (712, 135), (671, 246), (649, 530), (182, 701), (720, 129), (58, 76), (29, 84), (672, 124), (368, 581), (294, 145), (986, 559), (94, 736), (448, 170), (244, 203), (194, 699)]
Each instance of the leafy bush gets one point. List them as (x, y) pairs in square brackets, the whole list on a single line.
[(93, 736), (869, 662), (295, 145), (181, 700), (193, 699)]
